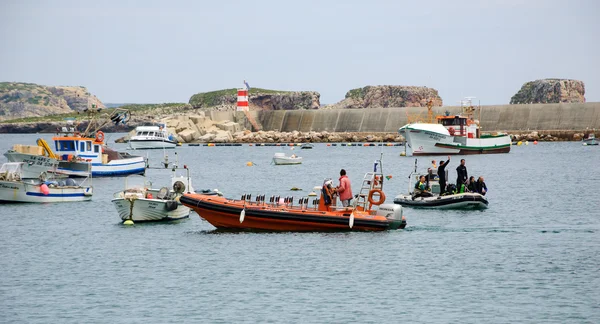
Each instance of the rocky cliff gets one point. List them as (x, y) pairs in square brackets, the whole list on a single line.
[(388, 96), (18, 100), (550, 91), (260, 99)]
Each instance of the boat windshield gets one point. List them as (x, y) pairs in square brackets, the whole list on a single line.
[(63, 145)]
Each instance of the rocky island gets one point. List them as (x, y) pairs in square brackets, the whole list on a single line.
[(21, 100), (550, 91)]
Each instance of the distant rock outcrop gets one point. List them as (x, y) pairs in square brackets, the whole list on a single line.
[(550, 91), (388, 96), (260, 99), (18, 100)]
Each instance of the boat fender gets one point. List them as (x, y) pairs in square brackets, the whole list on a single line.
[(171, 205), (381, 197), (100, 136), (44, 189)]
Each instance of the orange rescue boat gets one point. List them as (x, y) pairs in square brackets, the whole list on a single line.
[(368, 212)]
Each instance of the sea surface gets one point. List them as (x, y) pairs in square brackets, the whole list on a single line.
[(532, 257)]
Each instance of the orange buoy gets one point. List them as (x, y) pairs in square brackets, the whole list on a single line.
[(535, 142), (44, 189)]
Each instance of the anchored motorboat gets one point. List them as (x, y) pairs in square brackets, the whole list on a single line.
[(281, 159), (367, 213), (17, 185), (152, 137)]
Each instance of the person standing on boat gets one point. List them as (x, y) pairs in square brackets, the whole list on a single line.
[(462, 175), (441, 171), (344, 190)]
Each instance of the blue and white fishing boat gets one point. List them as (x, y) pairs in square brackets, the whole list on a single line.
[(15, 186), (104, 160)]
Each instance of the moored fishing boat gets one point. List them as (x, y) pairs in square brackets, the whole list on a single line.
[(139, 202), (44, 157), (15, 187), (590, 140), (458, 134), (368, 212)]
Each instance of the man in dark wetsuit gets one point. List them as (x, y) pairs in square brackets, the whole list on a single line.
[(441, 171), (462, 175)]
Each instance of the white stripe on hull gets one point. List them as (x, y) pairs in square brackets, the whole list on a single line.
[(148, 210), (11, 191)]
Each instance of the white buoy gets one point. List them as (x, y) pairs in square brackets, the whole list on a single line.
[(128, 222), (351, 219)]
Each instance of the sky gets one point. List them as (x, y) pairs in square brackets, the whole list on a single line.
[(166, 51)]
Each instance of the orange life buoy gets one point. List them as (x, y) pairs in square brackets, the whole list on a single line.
[(381, 197), (100, 136), (451, 130)]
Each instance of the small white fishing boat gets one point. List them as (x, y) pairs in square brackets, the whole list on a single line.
[(281, 159), (590, 140), (15, 187), (42, 156), (139, 202), (152, 137), (306, 146)]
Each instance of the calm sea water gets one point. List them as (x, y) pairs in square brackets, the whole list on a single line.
[(533, 256)]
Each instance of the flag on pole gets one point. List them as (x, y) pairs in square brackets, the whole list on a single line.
[(247, 86)]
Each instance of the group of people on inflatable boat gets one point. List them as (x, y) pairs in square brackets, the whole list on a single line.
[(463, 182)]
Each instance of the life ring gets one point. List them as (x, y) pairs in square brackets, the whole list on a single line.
[(381, 197), (100, 136), (451, 130)]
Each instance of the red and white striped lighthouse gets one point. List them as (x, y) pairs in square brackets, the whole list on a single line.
[(242, 98)]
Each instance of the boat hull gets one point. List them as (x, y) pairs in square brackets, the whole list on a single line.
[(148, 210), (287, 160), (120, 167), (225, 214), (456, 201), (20, 191), (135, 144), (425, 142)]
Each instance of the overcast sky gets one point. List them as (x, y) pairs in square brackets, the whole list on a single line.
[(165, 51)]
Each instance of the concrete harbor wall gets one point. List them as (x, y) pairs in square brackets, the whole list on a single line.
[(532, 117)]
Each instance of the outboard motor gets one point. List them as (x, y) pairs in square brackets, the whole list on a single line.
[(390, 211)]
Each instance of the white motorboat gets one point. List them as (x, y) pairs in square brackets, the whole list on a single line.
[(139, 202), (590, 140), (14, 187), (453, 135), (281, 159), (152, 137)]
